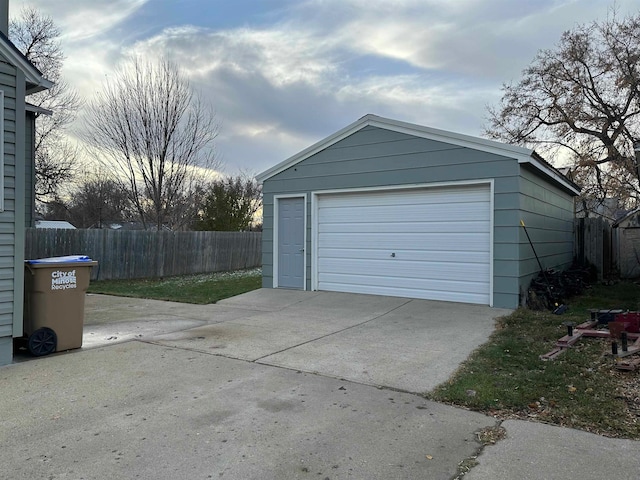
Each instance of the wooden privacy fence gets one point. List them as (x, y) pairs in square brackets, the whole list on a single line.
[(143, 254), (593, 244)]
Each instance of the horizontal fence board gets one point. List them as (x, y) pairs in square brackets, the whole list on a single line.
[(142, 254)]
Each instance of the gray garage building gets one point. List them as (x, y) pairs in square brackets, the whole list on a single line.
[(391, 208)]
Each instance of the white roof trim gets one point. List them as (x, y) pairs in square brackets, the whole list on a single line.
[(522, 155), (29, 107), (558, 177), (31, 73)]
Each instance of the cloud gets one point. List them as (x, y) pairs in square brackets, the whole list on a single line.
[(297, 75), (290, 87), (81, 19)]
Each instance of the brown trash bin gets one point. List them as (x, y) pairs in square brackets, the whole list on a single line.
[(54, 303)]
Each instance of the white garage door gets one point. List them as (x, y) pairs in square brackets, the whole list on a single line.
[(430, 243)]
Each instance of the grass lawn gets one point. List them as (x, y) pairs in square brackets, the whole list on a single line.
[(579, 389), (202, 289)]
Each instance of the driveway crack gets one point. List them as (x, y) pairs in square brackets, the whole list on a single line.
[(485, 437), (257, 360)]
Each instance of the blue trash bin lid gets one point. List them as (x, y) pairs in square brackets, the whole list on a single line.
[(66, 259)]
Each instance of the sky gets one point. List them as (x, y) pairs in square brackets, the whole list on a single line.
[(284, 74)]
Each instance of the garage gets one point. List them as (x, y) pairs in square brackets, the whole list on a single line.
[(430, 243), (387, 207)]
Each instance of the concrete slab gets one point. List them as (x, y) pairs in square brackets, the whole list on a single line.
[(534, 451), (109, 309), (319, 309), (253, 336), (268, 299), (111, 319), (141, 329), (138, 410), (233, 340), (413, 347)]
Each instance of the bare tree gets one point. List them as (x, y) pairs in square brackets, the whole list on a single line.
[(188, 204), (98, 201), (580, 102), (155, 132), (37, 37)]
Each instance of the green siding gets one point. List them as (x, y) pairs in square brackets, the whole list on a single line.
[(549, 217), (375, 157), (29, 170), (12, 83)]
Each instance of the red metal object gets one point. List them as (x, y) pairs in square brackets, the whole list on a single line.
[(631, 320)]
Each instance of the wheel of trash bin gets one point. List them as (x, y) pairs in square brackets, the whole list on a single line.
[(42, 342)]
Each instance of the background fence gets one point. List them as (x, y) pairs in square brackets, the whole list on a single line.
[(143, 254), (593, 244)]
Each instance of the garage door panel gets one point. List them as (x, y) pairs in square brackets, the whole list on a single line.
[(461, 211), (414, 255), (448, 296), (440, 239), (396, 227), (413, 284), (404, 269), (446, 196), (419, 241)]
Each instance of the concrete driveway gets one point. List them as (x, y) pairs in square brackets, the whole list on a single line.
[(405, 344), (226, 391)]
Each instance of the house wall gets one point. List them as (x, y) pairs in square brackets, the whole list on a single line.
[(12, 217), (29, 169), (374, 157), (548, 214)]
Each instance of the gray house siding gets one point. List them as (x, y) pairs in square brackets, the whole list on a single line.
[(10, 274)]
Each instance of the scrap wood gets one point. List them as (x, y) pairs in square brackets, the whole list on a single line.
[(561, 345), (586, 325), (552, 354), (630, 351), (596, 333), (568, 340), (586, 329), (628, 365)]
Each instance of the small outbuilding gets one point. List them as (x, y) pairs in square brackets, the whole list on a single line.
[(392, 208), (56, 224), (626, 244)]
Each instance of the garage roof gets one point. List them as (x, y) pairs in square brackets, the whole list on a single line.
[(521, 154)]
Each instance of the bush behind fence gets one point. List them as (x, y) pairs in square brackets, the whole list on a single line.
[(143, 254)]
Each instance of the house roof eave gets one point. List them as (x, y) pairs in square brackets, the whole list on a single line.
[(35, 80), (29, 107)]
